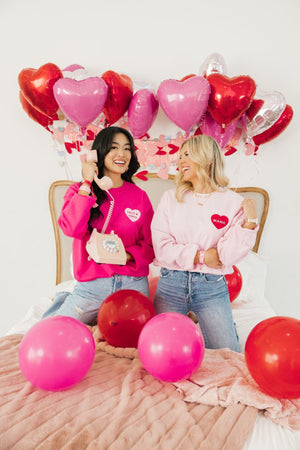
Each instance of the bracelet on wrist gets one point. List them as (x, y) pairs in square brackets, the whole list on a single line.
[(201, 256), (87, 182), (85, 189)]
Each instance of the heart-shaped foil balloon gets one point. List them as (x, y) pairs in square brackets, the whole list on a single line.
[(81, 101), (277, 128), (120, 91), (184, 102), (34, 114), (142, 112), (229, 97), (37, 87)]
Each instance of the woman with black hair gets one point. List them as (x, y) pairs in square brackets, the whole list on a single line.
[(86, 207)]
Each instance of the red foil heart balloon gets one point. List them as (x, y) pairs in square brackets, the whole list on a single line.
[(120, 91), (37, 87), (229, 97), (34, 114), (278, 127)]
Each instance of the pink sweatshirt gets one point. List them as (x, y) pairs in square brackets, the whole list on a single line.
[(130, 220), (180, 229)]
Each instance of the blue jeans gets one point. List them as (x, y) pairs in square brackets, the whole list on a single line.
[(204, 294), (84, 302)]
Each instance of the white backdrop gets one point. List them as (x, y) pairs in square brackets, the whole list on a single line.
[(149, 42)]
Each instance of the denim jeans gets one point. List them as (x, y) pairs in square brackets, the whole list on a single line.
[(84, 302), (204, 294)]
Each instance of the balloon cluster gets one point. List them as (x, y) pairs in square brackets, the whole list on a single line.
[(75, 106)]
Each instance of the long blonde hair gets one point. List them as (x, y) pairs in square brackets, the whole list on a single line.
[(207, 154)]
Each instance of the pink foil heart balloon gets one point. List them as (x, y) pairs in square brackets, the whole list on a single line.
[(211, 127), (81, 101), (184, 102), (142, 111)]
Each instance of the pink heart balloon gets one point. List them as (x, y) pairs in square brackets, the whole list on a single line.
[(81, 101), (142, 111), (211, 127), (184, 102)]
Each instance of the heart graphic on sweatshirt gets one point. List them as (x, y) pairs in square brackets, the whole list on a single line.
[(219, 221), (133, 214)]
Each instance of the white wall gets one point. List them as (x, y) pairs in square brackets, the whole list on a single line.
[(149, 41)]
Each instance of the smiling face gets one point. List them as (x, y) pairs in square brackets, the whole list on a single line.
[(187, 167), (118, 158)]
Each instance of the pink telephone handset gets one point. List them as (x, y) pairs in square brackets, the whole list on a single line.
[(104, 183), (104, 248)]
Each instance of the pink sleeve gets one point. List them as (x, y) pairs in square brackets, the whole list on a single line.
[(167, 251), (142, 251), (236, 242), (75, 213)]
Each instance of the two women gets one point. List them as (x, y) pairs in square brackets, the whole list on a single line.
[(199, 230)]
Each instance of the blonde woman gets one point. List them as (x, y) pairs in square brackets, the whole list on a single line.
[(199, 230)]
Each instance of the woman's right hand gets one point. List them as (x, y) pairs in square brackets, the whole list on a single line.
[(211, 258), (88, 170)]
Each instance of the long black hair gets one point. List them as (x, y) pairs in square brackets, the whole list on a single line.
[(103, 143)]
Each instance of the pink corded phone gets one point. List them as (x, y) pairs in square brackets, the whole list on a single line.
[(104, 248)]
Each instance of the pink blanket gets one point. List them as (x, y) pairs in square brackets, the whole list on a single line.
[(117, 406)]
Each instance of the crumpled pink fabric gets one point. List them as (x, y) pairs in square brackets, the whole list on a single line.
[(224, 379)]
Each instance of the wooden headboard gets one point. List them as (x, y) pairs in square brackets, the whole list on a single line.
[(154, 186)]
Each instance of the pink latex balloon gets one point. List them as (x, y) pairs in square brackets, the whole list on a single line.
[(81, 101), (142, 111), (56, 353), (184, 102), (211, 127), (171, 347)]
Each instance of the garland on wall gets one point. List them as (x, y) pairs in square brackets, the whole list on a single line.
[(74, 106)]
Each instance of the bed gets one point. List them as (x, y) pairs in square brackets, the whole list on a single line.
[(118, 405)]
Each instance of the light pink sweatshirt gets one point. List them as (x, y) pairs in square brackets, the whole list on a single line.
[(179, 229), (130, 220)]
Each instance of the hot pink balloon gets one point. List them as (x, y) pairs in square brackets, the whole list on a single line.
[(171, 347), (184, 102), (81, 101), (212, 128), (56, 353), (142, 111)]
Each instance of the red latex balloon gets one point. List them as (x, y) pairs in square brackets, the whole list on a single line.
[(120, 91), (234, 283), (229, 97), (37, 87), (34, 114), (122, 316), (278, 127), (272, 354)]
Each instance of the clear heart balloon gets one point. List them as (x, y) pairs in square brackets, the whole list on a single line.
[(214, 63), (272, 108)]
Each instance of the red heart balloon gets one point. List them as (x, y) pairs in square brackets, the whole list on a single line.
[(37, 87), (278, 127), (229, 97), (234, 283), (120, 91), (34, 114)]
